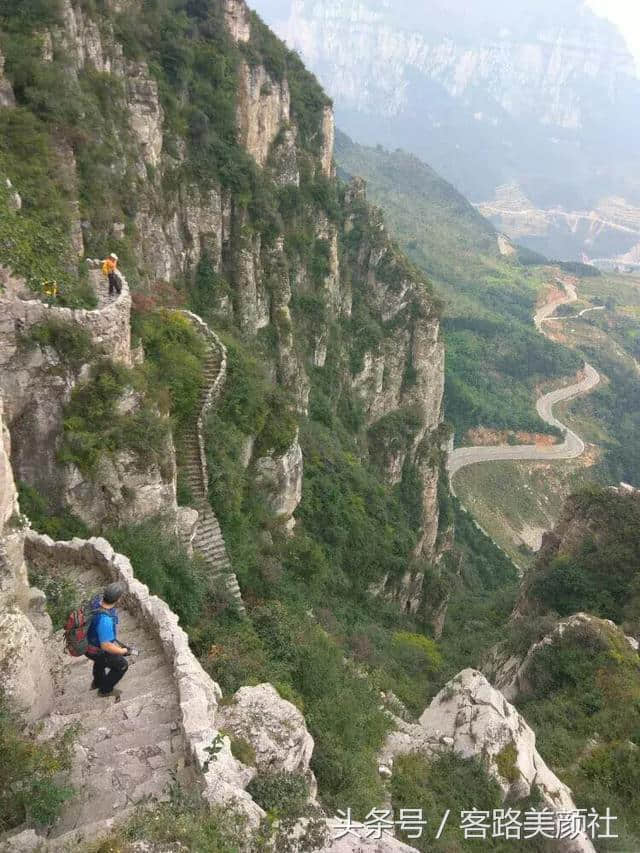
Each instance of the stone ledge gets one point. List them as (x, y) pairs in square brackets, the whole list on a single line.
[(224, 780)]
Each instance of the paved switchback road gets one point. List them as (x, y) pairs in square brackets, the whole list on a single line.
[(572, 446)]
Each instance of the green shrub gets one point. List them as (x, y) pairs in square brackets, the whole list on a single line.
[(282, 794), (38, 510), (450, 782), (93, 425), (35, 240), (162, 563), (32, 773), (174, 357), (185, 820), (417, 654), (506, 763), (70, 341), (62, 595), (241, 749)]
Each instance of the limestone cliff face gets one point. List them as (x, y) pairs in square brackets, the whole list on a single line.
[(36, 383), (473, 719), (263, 108), (7, 98), (178, 227), (527, 65), (24, 664), (412, 340)]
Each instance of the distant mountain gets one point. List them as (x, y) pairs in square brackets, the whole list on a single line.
[(530, 107)]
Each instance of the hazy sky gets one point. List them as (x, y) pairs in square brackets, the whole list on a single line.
[(626, 14)]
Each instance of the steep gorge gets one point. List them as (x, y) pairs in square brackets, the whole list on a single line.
[(256, 233)]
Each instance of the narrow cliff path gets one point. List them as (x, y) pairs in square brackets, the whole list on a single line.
[(572, 447), (208, 541), (124, 753)]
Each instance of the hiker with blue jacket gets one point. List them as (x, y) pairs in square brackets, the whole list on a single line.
[(104, 649)]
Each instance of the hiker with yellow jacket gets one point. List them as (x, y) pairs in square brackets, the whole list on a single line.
[(110, 271)]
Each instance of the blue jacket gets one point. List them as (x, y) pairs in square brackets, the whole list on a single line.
[(103, 627)]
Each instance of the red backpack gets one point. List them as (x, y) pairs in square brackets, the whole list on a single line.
[(77, 626)]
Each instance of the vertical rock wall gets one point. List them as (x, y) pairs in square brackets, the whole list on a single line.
[(24, 662)]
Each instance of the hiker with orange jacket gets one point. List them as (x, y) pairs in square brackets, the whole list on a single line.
[(110, 271)]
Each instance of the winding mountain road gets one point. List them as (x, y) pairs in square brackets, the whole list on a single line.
[(572, 447)]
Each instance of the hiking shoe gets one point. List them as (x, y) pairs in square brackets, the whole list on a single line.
[(94, 685), (113, 694)]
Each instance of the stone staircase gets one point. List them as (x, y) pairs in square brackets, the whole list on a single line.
[(126, 752), (208, 541)]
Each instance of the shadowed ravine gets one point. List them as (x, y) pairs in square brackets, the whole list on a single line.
[(571, 448)]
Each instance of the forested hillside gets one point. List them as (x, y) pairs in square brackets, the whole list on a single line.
[(252, 429), (186, 138), (495, 357)]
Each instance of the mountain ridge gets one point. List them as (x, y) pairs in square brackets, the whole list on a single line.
[(553, 109)]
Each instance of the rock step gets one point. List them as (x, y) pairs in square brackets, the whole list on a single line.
[(146, 663), (218, 564), (209, 539), (103, 742), (210, 553), (145, 744), (69, 702), (152, 714), (87, 834), (94, 806), (208, 544)]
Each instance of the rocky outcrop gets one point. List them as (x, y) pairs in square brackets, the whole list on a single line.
[(511, 674), (472, 718), (146, 116), (361, 841), (237, 20), (328, 139), (36, 383), (280, 477), (263, 109), (123, 491), (394, 291), (7, 98), (401, 380), (273, 727), (24, 663)]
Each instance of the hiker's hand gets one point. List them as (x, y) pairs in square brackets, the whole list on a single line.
[(127, 651)]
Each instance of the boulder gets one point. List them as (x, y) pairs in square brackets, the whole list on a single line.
[(24, 666), (281, 479), (475, 720), (273, 727)]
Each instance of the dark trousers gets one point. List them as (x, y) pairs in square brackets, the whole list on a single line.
[(108, 669), (114, 284)]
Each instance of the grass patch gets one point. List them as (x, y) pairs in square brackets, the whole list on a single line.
[(95, 425), (70, 341), (37, 509), (33, 789), (162, 563)]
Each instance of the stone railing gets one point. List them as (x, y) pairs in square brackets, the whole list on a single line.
[(222, 777)]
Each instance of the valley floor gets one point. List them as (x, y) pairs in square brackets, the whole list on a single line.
[(518, 497)]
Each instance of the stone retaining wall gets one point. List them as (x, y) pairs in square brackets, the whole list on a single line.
[(223, 778)]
